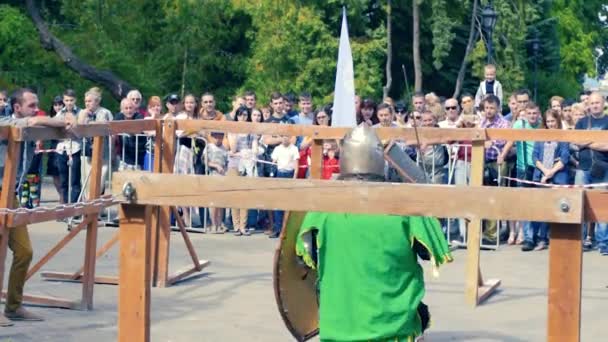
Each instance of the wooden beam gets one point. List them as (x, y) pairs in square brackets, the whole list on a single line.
[(25, 218), (434, 135), (316, 159), (7, 196), (187, 271), (355, 197), (47, 301), (189, 246), (164, 222), (487, 289), (88, 275), (427, 135), (155, 219), (573, 136), (132, 126), (134, 280), (565, 283), (596, 206), (50, 133), (81, 131), (472, 269), (69, 277)]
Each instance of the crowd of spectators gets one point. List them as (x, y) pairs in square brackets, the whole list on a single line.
[(249, 155)]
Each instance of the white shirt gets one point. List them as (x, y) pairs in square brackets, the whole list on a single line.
[(285, 156), (68, 146), (447, 124)]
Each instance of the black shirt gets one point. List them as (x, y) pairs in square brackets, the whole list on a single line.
[(585, 154)]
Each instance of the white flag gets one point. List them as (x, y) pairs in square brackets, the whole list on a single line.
[(344, 92)]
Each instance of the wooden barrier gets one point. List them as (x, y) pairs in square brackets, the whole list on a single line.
[(86, 274), (160, 216), (565, 208), (89, 221)]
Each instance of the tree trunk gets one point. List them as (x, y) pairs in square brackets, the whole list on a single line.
[(416, 46), (463, 65), (184, 72), (389, 50), (117, 86)]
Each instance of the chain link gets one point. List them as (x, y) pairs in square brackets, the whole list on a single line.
[(103, 201)]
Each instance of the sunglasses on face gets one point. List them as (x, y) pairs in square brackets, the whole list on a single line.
[(417, 117), (173, 102), (400, 111), (451, 108)]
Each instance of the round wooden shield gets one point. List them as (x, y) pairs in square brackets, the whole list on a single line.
[(294, 284)]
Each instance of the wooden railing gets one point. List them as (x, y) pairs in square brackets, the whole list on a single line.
[(142, 227)]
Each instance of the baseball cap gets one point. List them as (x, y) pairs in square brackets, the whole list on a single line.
[(172, 98), (400, 107)]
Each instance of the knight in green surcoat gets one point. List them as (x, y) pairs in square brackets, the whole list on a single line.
[(370, 283)]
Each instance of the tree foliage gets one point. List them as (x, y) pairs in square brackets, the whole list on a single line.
[(227, 46)]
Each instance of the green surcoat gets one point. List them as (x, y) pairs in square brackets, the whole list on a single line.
[(370, 281)]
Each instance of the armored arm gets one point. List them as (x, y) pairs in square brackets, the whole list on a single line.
[(309, 242)]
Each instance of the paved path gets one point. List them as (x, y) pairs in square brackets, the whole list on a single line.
[(233, 299)]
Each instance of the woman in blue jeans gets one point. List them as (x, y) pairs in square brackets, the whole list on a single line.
[(550, 159)]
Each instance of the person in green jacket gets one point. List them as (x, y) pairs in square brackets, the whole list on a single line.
[(370, 284)]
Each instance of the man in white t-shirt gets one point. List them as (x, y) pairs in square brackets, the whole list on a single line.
[(286, 156)]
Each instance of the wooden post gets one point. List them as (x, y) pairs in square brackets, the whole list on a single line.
[(473, 273), (316, 159), (474, 279), (7, 197), (88, 276), (134, 280), (154, 223), (565, 283), (164, 219)]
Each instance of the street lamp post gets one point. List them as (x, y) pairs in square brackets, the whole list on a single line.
[(489, 16), (535, 48)]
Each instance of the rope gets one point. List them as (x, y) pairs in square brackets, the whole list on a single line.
[(566, 186)]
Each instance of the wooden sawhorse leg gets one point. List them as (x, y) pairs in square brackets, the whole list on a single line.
[(134, 275), (565, 283)]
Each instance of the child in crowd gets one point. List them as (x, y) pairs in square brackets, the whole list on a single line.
[(489, 86), (217, 162), (5, 108), (331, 163), (286, 156)]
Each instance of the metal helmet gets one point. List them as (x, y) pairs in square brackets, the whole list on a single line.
[(362, 154)]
